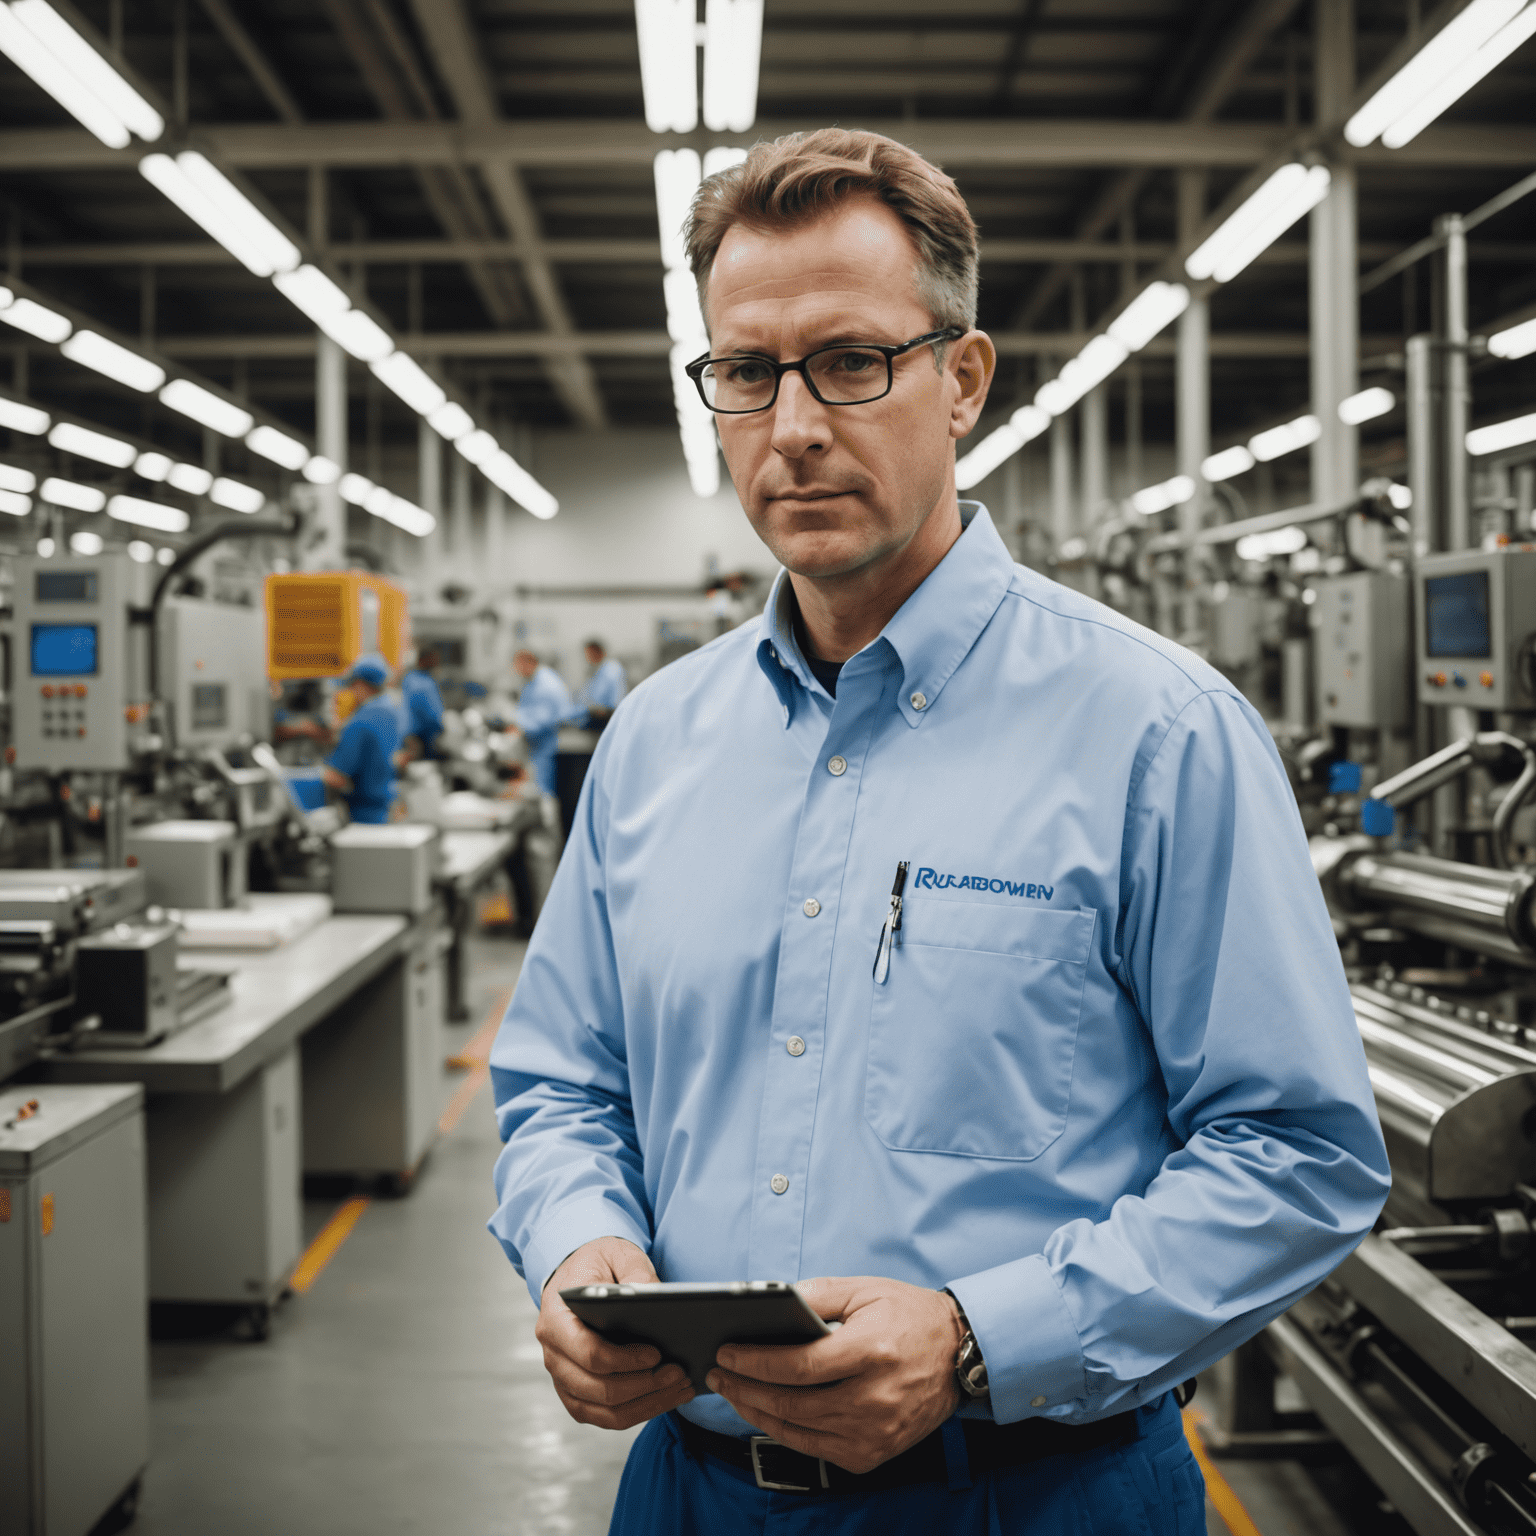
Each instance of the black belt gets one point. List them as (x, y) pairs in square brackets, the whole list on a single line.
[(989, 1447)]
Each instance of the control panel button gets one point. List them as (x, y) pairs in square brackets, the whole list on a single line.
[(1458, 679), (79, 690), (1486, 679), (47, 690), (1436, 679)]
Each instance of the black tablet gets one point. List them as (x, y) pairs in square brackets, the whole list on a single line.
[(688, 1322)]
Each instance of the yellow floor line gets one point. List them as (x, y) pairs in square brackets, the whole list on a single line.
[(463, 1097), (1217, 1489), (327, 1243), (477, 1049)]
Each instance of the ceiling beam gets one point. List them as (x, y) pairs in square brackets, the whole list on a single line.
[(1006, 144), (246, 48), (457, 55), (611, 250), (542, 344)]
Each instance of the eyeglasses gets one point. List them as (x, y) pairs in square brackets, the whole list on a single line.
[(850, 373)]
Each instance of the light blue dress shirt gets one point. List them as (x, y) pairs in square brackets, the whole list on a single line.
[(605, 688), (541, 707), (1111, 1091)]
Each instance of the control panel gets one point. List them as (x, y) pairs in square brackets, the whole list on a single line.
[(1360, 650), (1476, 628), (76, 662)]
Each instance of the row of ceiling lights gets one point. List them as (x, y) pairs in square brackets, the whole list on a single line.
[(1440, 73), (60, 60)]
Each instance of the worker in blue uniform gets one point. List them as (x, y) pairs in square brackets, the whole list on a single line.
[(542, 706), (944, 930), (599, 696), (362, 768), (423, 706)]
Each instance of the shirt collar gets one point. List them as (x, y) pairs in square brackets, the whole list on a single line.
[(931, 633)]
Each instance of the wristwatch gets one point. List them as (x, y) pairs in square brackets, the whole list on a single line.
[(970, 1368)]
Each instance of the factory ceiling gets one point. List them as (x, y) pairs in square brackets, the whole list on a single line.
[(481, 169)]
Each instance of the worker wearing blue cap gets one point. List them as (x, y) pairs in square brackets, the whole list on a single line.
[(362, 768)]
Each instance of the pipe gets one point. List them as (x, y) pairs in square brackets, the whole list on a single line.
[(1496, 903)]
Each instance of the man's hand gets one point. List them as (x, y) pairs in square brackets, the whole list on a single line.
[(611, 1385), (879, 1384)]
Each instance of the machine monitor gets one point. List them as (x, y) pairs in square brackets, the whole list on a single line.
[(1456, 611), (64, 587), (64, 650)]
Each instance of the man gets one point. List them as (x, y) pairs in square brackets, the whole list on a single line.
[(1081, 1111), (423, 706), (600, 694), (544, 702), (362, 768)]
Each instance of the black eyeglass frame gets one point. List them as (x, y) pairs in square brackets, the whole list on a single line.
[(695, 369)]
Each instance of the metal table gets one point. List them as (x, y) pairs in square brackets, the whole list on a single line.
[(468, 859)]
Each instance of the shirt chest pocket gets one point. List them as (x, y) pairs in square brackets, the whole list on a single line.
[(973, 1032)]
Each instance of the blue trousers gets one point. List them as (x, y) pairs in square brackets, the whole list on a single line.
[(1149, 1487)]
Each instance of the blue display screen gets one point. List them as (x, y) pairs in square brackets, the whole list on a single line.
[(1456, 615), (63, 650)]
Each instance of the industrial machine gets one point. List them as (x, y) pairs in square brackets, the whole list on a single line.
[(1476, 630), (320, 622)]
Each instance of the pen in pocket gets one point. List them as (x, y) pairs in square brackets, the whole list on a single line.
[(890, 932)]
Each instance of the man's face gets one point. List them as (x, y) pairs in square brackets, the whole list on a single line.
[(594, 655), (832, 489), (525, 664)]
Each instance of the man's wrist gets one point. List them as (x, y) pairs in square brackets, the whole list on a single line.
[(970, 1367)]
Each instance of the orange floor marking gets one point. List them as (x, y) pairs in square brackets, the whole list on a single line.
[(1217, 1489), (327, 1242), (476, 1051)]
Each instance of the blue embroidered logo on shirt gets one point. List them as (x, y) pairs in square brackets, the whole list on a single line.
[(930, 880)]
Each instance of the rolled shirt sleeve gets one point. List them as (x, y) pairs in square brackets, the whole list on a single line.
[(1227, 952)]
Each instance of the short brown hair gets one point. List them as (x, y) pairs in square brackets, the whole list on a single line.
[(802, 176)]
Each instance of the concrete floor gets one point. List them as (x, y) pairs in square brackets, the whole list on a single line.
[(404, 1392)]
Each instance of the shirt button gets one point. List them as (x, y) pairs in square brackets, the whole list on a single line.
[(778, 1183), (795, 1046), (837, 766), (1037, 1402), (919, 701), (812, 906)]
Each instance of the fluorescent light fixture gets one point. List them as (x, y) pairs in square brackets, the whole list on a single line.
[(14, 479), (1366, 406), (1291, 192), (322, 471), (1159, 498), (237, 496), (84, 542), (1089, 368), (78, 498), (677, 179), (506, 473), (93, 351), (29, 316), (207, 197), (141, 551), (1229, 462), (30, 54), (277, 446), (46, 547), (404, 514), (1501, 435), (1517, 341), (1421, 78), (451, 420), (1268, 546), (358, 334), (356, 489), (701, 455), (23, 418), (733, 45), (310, 291), (68, 438), (190, 478), (1156, 306), (15, 504), (404, 377), (152, 466), (1286, 438), (723, 157), (994, 449), (1401, 496), (685, 323), (148, 514), (165, 557), (89, 69), (479, 447), (668, 35), (206, 408)]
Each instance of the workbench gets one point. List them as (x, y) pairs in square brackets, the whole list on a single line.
[(326, 1060), (468, 859)]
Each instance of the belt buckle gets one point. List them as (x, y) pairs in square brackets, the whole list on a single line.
[(756, 1443)]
